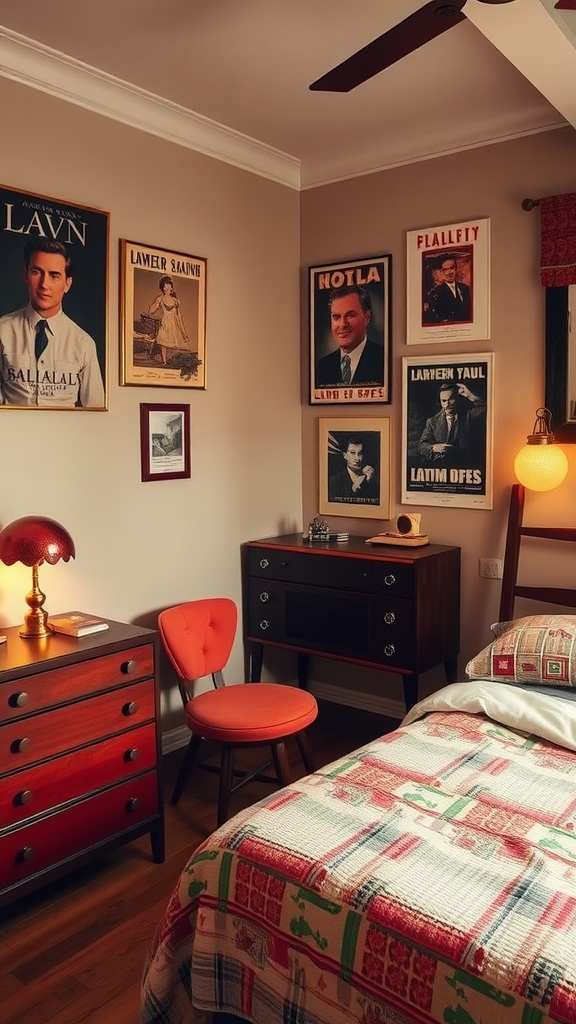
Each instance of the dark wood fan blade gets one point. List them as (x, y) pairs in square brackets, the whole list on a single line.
[(565, 5), (425, 24)]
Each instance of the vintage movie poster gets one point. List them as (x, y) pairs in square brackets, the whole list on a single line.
[(448, 283), (354, 467), (53, 303), (447, 430), (350, 332)]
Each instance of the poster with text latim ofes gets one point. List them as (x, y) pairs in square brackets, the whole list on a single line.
[(447, 430)]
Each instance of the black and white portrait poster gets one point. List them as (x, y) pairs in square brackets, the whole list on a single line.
[(354, 467), (448, 290), (447, 430), (350, 331)]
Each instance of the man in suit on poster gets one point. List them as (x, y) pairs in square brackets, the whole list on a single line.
[(450, 301), (455, 436), (357, 361)]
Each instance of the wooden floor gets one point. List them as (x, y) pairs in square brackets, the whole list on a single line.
[(72, 953)]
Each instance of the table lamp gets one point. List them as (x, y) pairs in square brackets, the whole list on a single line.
[(541, 465), (33, 540)]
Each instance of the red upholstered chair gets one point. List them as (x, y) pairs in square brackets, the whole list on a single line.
[(198, 638)]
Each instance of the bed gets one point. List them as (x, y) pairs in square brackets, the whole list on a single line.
[(427, 877)]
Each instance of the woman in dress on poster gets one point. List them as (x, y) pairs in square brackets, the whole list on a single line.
[(172, 336)]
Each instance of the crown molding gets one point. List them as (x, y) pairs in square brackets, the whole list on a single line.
[(30, 63)]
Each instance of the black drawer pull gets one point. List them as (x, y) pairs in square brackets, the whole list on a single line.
[(264, 563), (129, 667), (21, 746), (390, 580), (132, 804), (264, 596), (264, 624), (18, 700), (23, 798), (132, 755), (130, 709), (25, 855), (389, 618), (389, 650)]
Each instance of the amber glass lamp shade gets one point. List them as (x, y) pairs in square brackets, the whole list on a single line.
[(541, 465), (33, 540)]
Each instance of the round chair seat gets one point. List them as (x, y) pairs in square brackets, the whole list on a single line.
[(250, 712)]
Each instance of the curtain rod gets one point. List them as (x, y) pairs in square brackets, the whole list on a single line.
[(529, 204)]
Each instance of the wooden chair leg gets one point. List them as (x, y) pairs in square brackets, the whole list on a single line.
[(226, 780), (281, 763), (306, 752), (186, 767)]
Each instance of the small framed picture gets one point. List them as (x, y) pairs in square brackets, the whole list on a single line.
[(165, 442), (354, 467), (162, 317), (448, 291), (350, 332)]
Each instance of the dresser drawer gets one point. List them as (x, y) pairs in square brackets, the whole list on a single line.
[(31, 739), (311, 567), (26, 793), (60, 685), (394, 578), (392, 633), (59, 837)]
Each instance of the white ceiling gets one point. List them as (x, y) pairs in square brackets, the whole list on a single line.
[(230, 77)]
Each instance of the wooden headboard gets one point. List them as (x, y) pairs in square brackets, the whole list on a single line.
[(511, 589)]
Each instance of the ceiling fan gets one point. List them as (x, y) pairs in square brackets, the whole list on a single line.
[(425, 24)]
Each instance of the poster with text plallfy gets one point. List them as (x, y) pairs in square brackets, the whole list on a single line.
[(447, 412), (448, 289)]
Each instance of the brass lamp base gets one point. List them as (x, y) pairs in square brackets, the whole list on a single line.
[(35, 623)]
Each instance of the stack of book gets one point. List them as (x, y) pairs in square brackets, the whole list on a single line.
[(77, 623)]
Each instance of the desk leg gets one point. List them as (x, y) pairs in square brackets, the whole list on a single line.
[(157, 842), (451, 669), (410, 684), (256, 659), (302, 663)]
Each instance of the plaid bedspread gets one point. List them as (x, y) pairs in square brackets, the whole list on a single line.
[(428, 877)]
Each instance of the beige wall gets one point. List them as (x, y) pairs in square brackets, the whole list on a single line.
[(370, 215), (141, 546)]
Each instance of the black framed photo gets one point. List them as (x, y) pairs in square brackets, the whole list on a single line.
[(354, 467), (350, 343), (165, 442), (53, 303)]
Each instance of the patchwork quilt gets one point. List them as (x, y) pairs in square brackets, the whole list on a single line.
[(427, 877)]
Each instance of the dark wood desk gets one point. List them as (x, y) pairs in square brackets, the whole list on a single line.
[(393, 608)]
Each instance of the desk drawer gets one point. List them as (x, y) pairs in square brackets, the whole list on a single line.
[(323, 570), (32, 739), (59, 837), (60, 685), (24, 794)]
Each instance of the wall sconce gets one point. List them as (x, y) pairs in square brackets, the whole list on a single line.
[(33, 540), (541, 465)]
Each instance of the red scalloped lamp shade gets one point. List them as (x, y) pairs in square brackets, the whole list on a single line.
[(35, 539)]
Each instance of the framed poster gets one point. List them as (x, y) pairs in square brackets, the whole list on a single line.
[(53, 303), (447, 414), (165, 442), (162, 317), (448, 290), (350, 331), (354, 467)]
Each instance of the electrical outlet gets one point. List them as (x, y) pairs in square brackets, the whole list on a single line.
[(491, 568)]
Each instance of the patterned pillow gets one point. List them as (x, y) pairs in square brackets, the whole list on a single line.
[(536, 649)]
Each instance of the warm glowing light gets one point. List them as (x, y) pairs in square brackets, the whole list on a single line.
[(541, 467)]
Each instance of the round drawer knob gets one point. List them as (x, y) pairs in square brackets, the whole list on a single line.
[(130, 709), (23, 798), (389, 650), (21, 746), (389, 618), (264, 563), (264, 596), (390, 580), (25, 855), (133, 804), (129, 667), (264, 624), (18, 700), (132, 755)]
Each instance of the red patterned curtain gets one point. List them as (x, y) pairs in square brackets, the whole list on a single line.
[(558, 254)]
